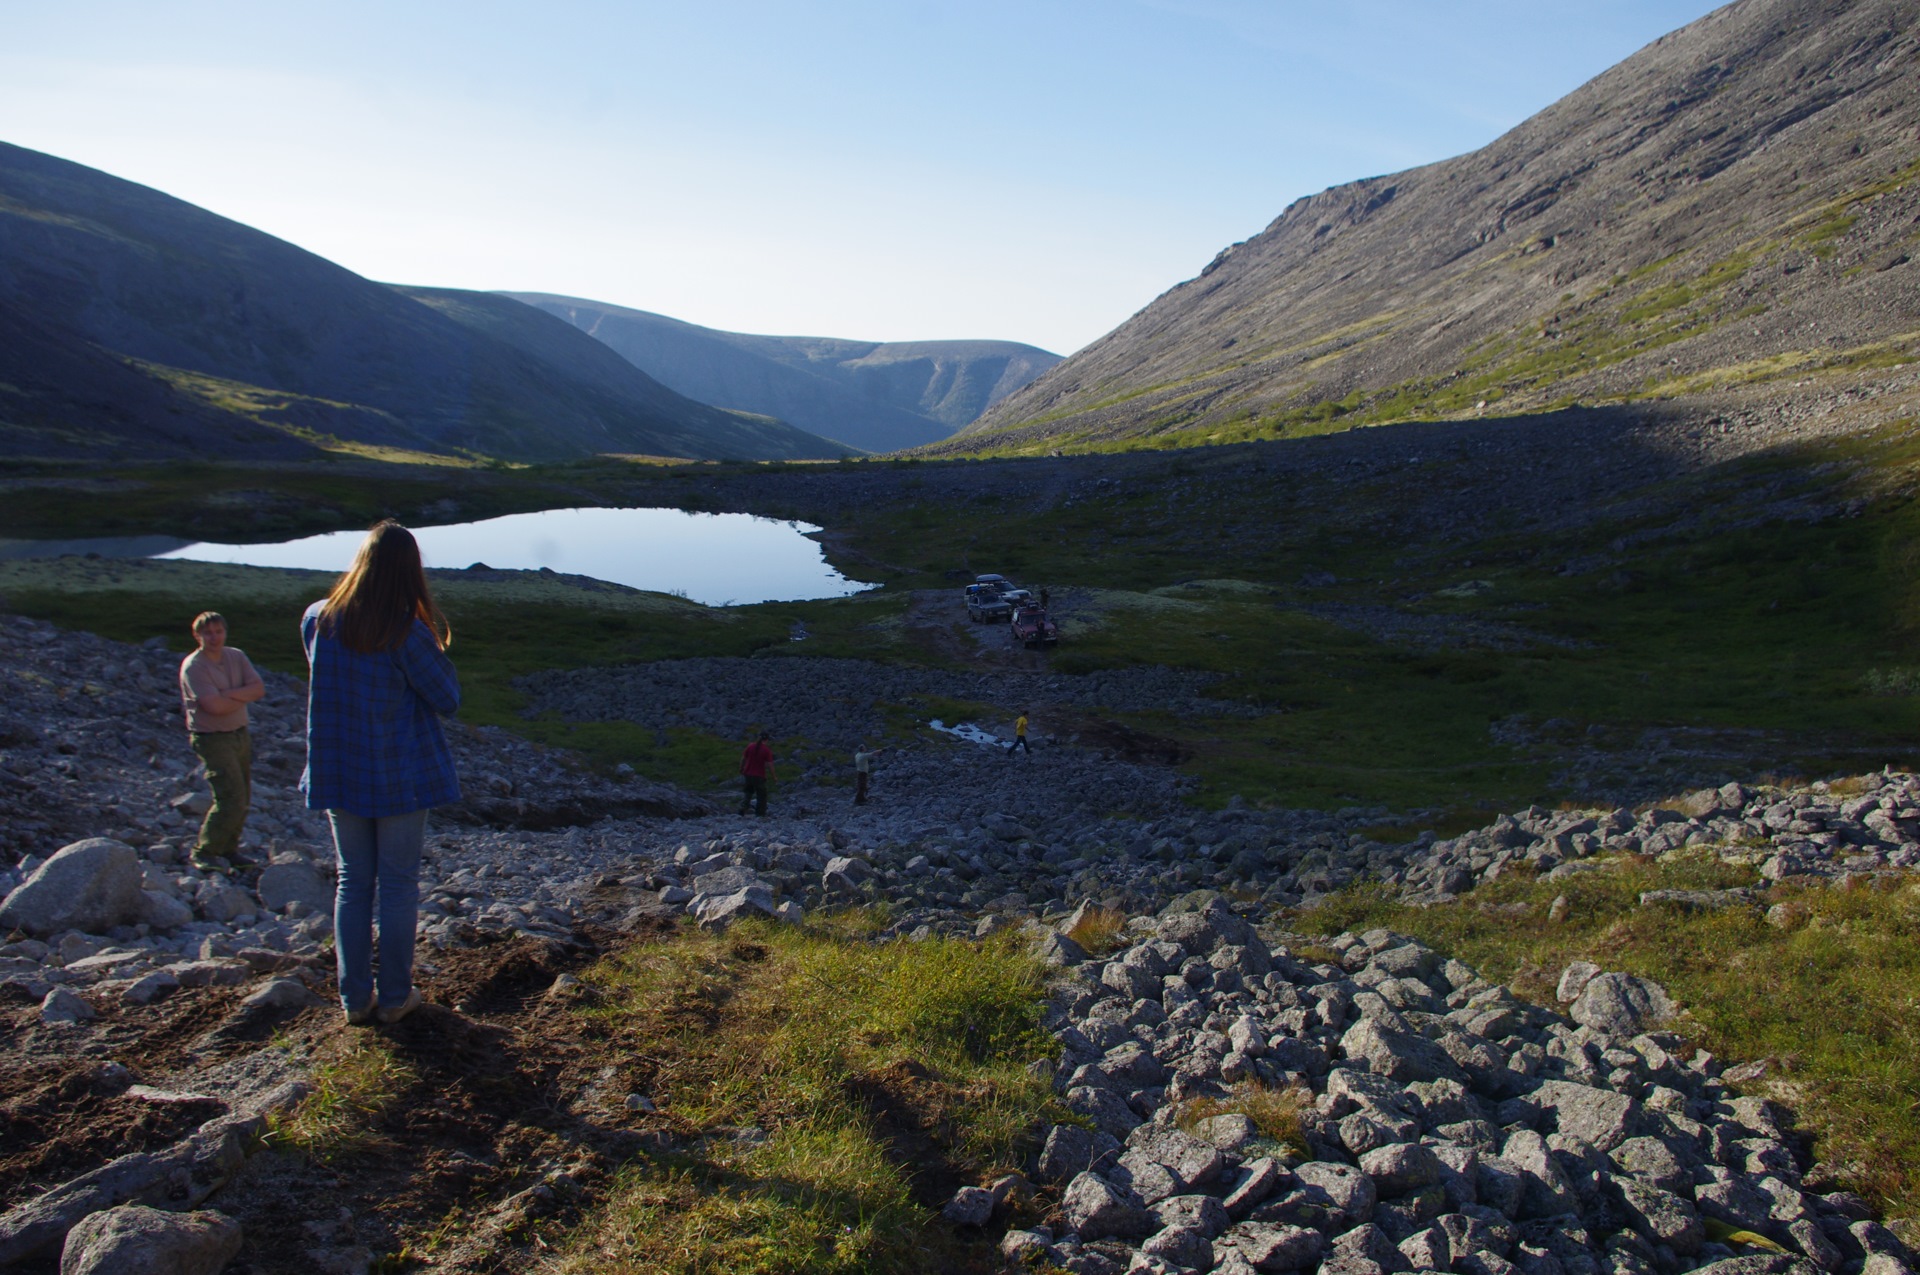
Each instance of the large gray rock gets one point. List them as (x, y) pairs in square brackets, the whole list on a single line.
[(1396, 1055), (1621, 1005), (1278, 1248), (1544, 1189), (158, 911), (1600, 1118), (91, 885), (1107, 1109), (1097, 1210), (970, 1206), (285, 883), (1760, 1264), (718, 911), (844, 872), (1183, 1247), (1072, 1150), (1662, 1216), (1351, 1191), (181, 1177), (136, 1240), (63, 1006), (1401, 1167)]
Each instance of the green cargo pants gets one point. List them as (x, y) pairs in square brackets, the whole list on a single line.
[(228, 755)]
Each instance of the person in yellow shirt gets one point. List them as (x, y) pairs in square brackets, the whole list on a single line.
[(1020, 735)]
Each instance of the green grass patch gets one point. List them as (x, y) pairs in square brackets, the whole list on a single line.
[(356, 1079), (874, 1078), (1829, 996)]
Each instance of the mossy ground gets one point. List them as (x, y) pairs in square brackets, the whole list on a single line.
[(1827, 997), (831, 1092)]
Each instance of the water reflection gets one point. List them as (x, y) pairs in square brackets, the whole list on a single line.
[(716, 559)]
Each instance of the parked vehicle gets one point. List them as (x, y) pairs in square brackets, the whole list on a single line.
[(985, 605), (1032, 627)]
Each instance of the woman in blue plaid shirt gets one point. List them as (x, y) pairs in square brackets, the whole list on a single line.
[(379, 681)]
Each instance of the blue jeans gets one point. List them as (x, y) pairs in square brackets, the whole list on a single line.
[(376, 856)]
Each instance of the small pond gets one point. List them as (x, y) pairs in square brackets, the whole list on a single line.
[(716, 559)]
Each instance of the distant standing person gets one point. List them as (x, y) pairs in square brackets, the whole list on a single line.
[(756, 768), (1020, 735), (377, 757), (217, 682), (1043, 599), (863, 760)]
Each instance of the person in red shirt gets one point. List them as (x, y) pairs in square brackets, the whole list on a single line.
[(756, 767)]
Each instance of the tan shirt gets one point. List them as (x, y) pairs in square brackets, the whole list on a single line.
[(201, 678)]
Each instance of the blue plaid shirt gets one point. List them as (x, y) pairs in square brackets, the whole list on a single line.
[(374, 742)]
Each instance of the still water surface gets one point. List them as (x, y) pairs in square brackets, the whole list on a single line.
[(717, 559)]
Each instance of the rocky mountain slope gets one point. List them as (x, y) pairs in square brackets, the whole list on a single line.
[(1737, 202), (160, 329), (878, 396)]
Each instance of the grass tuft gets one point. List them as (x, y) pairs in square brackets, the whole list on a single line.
[(352, 1090), (1276, 1113), (828, 1091), (1099, 930)]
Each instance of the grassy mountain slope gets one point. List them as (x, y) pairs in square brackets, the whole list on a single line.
[(63, 398), (253, 326), (879, 396), (1735, 203)]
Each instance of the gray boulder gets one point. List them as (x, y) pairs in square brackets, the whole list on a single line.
[(1401, 1167), (843, 872), (1180, 1246), (1400, 1056), (1600, 1118), (1107, 1109), (1544, 1189), (158, 911), (136, 1240), (1574, 980), (91, 885), (970, 1206), (63, 1006), (1278, 1248), (1621, 1005), (1351, 1191), (1072, 1150), (1097, 1210), (718, 911), (285, 883), (1662, 1216)]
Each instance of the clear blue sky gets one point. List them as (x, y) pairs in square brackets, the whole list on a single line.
[(881, 169)]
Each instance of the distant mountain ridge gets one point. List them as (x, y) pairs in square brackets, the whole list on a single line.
[(876, 395), (148, 327), (1733, 203)]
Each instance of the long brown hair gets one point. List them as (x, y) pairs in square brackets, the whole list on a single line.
[(374, 605)]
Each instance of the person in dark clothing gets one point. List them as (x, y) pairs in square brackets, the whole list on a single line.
[(756, 768)]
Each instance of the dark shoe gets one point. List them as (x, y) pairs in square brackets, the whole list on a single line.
[(212, 862), (364, 1016), (390, 1015)]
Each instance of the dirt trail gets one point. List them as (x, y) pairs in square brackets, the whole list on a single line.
[(512, 1113)]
